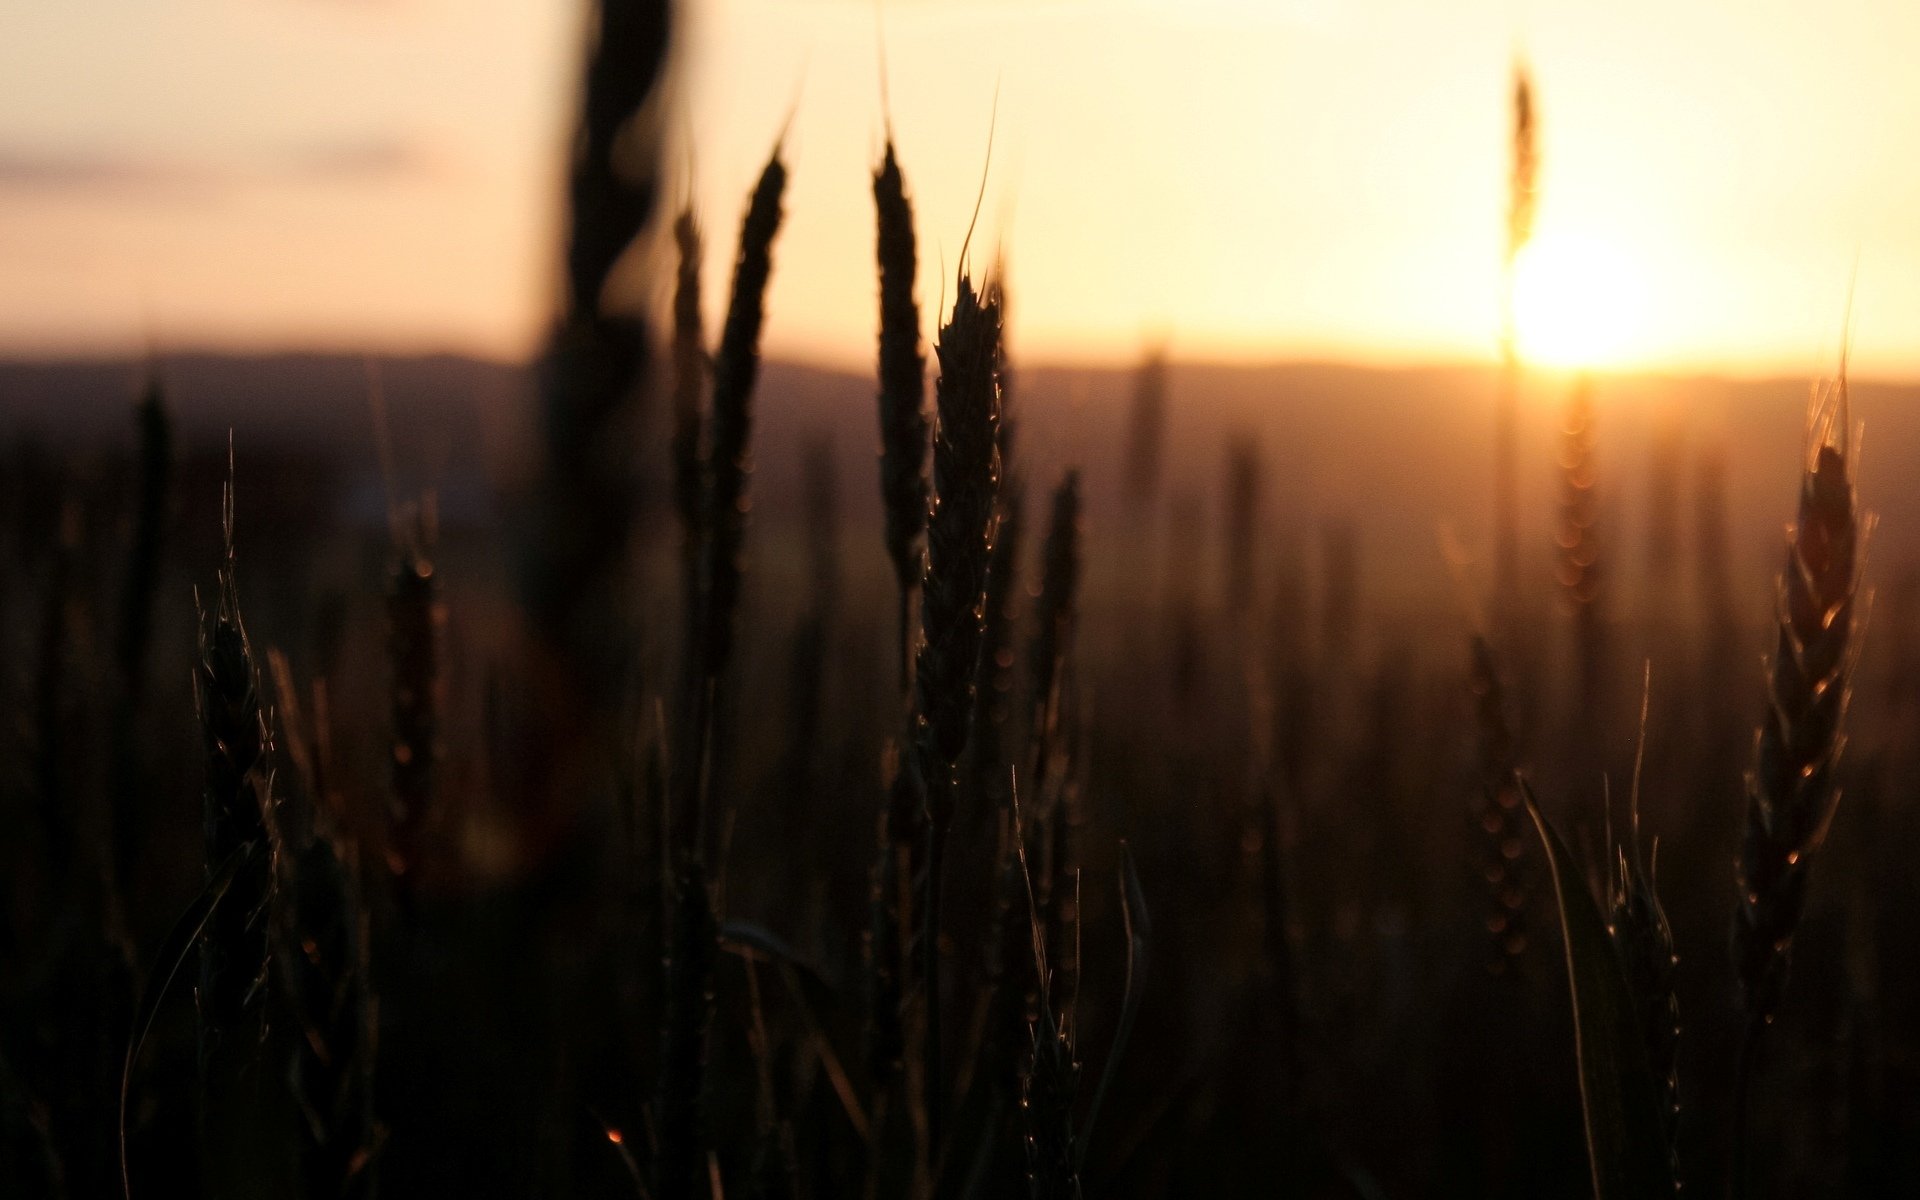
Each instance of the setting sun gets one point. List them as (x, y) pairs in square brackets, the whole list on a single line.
[(1578, 302)]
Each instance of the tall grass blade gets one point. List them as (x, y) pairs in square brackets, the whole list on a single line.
[(173, 954), (1618, 1094)]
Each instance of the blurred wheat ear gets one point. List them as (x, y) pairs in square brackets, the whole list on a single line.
[(136, 620), (1523, 171), (415, 622), (1580, 568), (576, 536), (1502, 815)]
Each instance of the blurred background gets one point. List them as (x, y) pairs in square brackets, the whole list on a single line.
[(1430, 373)]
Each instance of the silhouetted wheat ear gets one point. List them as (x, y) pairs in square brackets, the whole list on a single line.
[(735, 369), (692, 938), (966, 478), (1502, 815), (415, 620), (1645, 943), (689, 400), (1049, 1091), (999, 661), (993, 703), (233, 947), (904, 422), (1792, 792), (905, 426)]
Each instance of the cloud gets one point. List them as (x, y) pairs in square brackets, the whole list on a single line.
[(24, 170), (120, 174), (366, 160)]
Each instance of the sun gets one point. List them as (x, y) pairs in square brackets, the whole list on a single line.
[(1577, 301)]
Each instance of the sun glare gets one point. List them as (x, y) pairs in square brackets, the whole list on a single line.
[(1576, 302)]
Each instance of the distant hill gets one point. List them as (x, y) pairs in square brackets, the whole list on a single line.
[(1393, 453)]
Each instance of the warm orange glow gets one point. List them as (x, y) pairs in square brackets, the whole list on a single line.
[(1578, 301), (1245, 179), (613, 1135)]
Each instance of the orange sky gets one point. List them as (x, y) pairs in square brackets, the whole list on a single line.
[(1239, 178)]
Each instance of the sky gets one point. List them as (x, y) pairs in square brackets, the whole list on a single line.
[(1237, 179)]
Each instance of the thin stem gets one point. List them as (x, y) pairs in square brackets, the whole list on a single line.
[(930, 971), (906, 638), (1746, 1064)]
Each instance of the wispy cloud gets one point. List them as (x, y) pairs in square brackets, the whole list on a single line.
[(132, 174), (23, 170), (365, 160)]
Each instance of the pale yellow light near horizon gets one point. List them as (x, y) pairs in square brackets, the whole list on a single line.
[(1239, 179), (1579, 301)]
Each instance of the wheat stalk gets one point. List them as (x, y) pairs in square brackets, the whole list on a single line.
[(692, 937), (1502, 814), (136, 619), (1578, 543), (904, 422), (690, 367), (1522, 183), (1792, 788), (233, 947), (966, 478), (736, 368), (1637, 923), (1146, 432), (1055, 609), (693, 946), (415, 620), (576, 543)]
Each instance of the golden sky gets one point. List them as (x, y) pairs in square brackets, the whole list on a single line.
[(1249, 179)]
